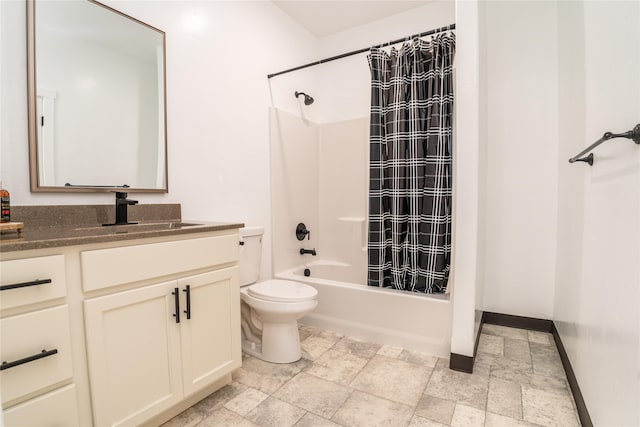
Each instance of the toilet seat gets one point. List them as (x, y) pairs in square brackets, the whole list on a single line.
[(282, 291)]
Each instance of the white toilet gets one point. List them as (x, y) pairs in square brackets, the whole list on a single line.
[(270, 309)]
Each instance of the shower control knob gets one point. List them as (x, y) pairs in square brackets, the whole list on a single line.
[(302, 232)]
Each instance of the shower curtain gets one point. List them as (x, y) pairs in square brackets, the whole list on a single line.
[(410, 165)]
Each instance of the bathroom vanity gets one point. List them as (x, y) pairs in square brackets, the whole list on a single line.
[(116, 325)]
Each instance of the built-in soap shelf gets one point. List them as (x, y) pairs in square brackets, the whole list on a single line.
[(358, 227)]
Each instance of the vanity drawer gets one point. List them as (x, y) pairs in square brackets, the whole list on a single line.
[(109, 267), (30, 280), (28, 335), (57, 408)]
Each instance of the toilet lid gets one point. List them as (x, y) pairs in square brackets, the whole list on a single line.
[(282, 291)]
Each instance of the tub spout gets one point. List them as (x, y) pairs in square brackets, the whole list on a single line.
[(308, 251)]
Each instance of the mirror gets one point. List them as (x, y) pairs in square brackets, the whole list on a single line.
[(96, 95)]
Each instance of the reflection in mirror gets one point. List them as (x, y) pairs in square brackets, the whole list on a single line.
[(96, 99)]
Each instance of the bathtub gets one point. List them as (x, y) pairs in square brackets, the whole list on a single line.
[(386, 316)]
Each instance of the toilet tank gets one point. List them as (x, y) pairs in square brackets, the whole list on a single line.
[(250, 254)]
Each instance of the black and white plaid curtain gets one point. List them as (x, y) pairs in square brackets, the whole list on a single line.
[(410, 165)]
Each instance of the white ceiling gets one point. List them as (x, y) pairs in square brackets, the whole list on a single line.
[(326, 17)]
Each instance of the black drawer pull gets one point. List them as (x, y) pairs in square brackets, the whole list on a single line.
[(24, 284), (44, 353)]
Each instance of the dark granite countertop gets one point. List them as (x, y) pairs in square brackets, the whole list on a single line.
[(57, 226)]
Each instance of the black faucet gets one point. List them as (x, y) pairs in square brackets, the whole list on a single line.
[(121, 209), (308, 251)]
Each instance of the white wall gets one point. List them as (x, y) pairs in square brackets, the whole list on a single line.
[(598, 272), (519, 246), (465, 269), (562, 240), (3, 103), (483, 131), (218, 56)]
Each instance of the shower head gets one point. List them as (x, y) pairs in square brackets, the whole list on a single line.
[(307, 99)]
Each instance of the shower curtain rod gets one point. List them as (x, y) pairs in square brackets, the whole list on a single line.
[(355, 52)]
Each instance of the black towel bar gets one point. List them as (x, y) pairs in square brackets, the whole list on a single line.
[(633, 134)]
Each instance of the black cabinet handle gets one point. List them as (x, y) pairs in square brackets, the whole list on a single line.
[(24, 284), (187, 290), (44, 353), (176, 294)]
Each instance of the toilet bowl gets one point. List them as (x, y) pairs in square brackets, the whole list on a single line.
[(270, 309)]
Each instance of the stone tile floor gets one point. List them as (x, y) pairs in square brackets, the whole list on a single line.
[(518, 380)]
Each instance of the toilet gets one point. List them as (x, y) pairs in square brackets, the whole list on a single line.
[(270, 309)]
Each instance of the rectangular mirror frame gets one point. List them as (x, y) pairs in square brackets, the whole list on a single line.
[(32, 113)]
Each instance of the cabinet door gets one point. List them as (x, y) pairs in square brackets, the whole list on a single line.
[(211, 337), (133, 354)]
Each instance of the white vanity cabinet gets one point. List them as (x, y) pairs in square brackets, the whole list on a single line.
[(109, 310), (150, 347)]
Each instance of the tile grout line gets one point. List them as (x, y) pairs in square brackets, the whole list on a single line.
[(424, 390), (333, 382)]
